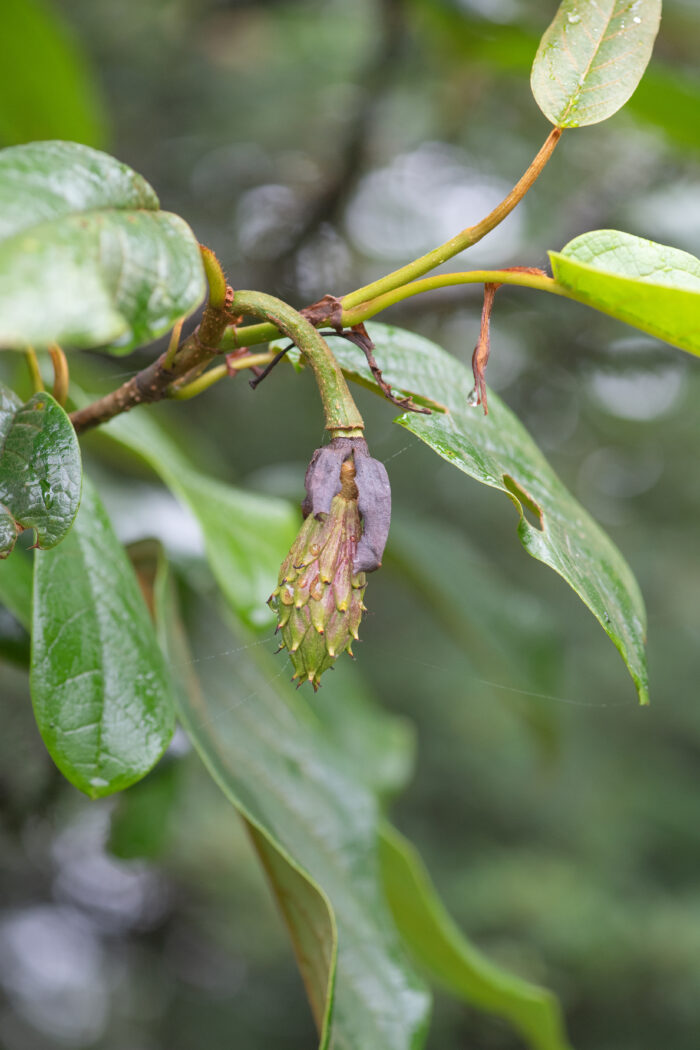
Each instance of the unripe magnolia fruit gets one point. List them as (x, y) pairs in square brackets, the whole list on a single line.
[(322, 581)]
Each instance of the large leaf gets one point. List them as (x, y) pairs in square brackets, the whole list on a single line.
[(100, 687), (86, 256), (46, 88), (314, 826), (648, 285), (497, 451), (445, 953), (40, 470), (592, 57), (246, 535)]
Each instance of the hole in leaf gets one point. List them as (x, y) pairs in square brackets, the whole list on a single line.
[(532, 510)]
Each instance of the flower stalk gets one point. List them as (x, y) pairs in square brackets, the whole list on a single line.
[(341, 412)]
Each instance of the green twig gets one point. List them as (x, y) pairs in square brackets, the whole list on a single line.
[(61, 376), (522, 278), (34, 370), (342, 416), (250, 335), (207, 379), (173, 345), (216, 279), (458, 243)]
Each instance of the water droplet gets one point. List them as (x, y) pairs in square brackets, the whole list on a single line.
[(637, 19), (573, 19), (98, 782), (47, 493), (473, 399)]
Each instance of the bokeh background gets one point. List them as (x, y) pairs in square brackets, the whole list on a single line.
[(315, 144)]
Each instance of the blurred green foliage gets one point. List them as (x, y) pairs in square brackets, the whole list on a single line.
[(557, 819), (47, 87)]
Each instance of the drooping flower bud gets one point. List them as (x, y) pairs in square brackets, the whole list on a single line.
[(322, 581)]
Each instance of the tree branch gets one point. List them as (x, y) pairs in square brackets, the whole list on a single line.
[(153, 383)]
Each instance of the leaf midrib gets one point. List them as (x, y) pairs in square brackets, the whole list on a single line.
[(583, 76)]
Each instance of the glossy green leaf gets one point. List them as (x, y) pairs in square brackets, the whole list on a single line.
[(40, 470), (497, 451), (648, 285), (87, 259), (100, 687), (592, 57), (246, 535), (46, 87), (447, 956), (314, 826)]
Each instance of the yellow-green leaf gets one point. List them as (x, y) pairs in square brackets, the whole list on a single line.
[(592, 57), (645, 284)]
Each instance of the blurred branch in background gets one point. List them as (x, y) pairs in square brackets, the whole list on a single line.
[(47, 86), (351, 152)]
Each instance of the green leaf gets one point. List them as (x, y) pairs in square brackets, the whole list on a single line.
[(246, 535), (311, 921), (100, 687), (314, 826), (648, 285), (592, 57), (46, 87), (40, 470), (497, 451), (86, 257), (445, 953)]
